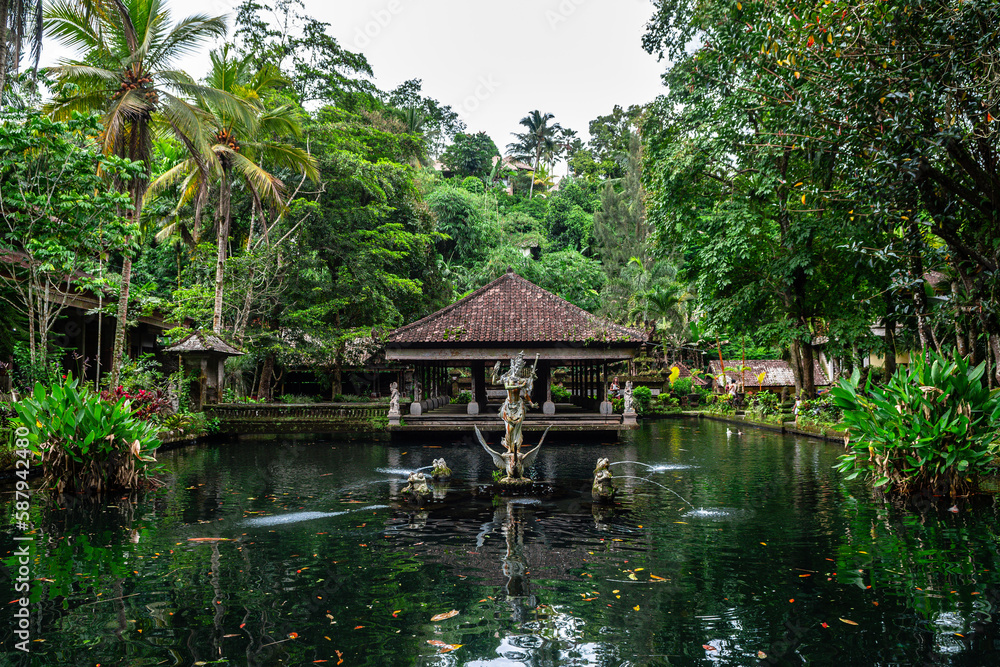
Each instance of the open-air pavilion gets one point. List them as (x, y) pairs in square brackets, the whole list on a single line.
[(495, 323)]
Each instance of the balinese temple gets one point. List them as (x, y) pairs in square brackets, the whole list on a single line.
[(495, 323)]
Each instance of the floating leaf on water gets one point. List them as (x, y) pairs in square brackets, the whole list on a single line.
[(761, 655), (653, 576), (824, 625), (631, 575), (395, 614), (444, 616), (708, 647), (844, 620), (636, 607)]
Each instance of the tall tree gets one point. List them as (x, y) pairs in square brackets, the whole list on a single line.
[(242, 146), (126, 73), (532, 144), (20, 27)]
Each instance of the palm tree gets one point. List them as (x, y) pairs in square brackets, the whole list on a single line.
[(539, 138), (125, 73), (240, 145), (20, 26)]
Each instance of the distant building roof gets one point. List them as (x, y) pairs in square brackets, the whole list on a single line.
[(778, 373), (686, 373), (203, 342), (513, 310), (512, 163)]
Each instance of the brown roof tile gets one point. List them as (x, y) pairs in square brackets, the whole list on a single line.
[(512, 310)]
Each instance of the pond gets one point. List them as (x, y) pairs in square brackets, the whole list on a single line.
[(730, 550)]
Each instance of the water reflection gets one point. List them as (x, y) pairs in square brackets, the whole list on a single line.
[(295, 551)]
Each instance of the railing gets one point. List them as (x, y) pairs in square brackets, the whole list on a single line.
[(284, 417)]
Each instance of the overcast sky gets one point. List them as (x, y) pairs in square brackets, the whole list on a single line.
[(493, 62)]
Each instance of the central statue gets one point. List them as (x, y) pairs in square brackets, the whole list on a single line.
[(519, 381)]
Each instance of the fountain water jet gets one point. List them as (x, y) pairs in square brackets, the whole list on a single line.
[(662, 487)]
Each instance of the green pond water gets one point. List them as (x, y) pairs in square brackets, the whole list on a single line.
[(779, 562)]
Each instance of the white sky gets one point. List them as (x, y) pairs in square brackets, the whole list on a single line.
[(493, 62)]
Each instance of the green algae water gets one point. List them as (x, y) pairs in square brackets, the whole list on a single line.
[(300, 551)]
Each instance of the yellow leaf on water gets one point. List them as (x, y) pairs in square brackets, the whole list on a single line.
[(636, 607), (653, 576), (844, 620), (444, 616), (631, 575), (803, 199)]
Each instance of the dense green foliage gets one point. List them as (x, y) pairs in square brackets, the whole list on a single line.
[(932, 426), (84, 443)]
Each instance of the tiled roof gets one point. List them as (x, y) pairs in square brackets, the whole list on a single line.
[(779, 373), (686, 373), (512, 310), (200, 341)]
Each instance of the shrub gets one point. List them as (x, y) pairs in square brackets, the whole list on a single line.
[(463, 398), (934, 426), (145, 404), (561, 394), (763, 405), (721, 404), (84, 442), (682, 386), (474, 185), (821, 410), (298, 399), (643, 397)]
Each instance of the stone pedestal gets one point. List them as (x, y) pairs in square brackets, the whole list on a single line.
[(416, 409), (607, 408), (629, 418), (394, 418), (473, 408), (548, 408)]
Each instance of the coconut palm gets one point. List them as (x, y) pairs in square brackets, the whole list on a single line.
[(20, 29), (240, 147), (531, 145), (125, 73)]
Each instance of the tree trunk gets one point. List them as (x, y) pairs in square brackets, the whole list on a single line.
[(121, 323), (264, 392), (4, 13), (222, 240)]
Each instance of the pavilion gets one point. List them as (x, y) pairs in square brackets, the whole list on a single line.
[(508, 316)]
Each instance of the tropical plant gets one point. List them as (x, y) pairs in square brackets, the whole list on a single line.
[(86, 444), (532, 144), (20, 28), (241, 145), (126, 73), (934, 426)]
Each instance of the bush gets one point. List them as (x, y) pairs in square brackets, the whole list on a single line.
[(299, 399), (721, 404), (84, 442), (474, 185), (682, 386), (763, 406), (821, 411), (934, 426), (561, 394), (643, 397), (463, 398), (145, 404)]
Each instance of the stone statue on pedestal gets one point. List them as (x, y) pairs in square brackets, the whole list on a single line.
[(519, 382)]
